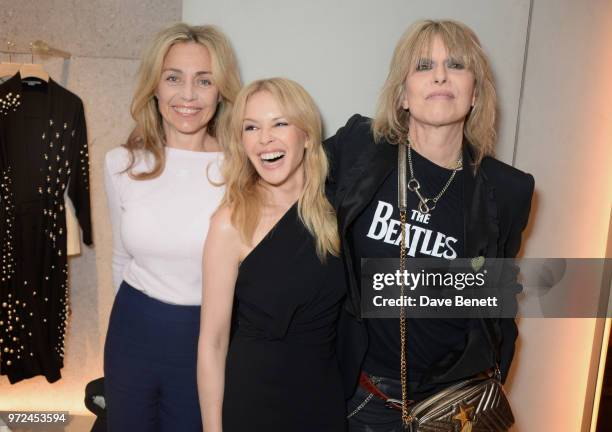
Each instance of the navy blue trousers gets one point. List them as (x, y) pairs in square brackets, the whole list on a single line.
[(150, 361)]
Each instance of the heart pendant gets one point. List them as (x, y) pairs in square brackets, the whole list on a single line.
[(477, 263)]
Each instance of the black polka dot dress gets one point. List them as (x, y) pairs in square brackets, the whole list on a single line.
[(43, 155)]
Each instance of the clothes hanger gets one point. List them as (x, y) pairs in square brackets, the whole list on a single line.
[(33, 70), (10, 68), (43, 48)]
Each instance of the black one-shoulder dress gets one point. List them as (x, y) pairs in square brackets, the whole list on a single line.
[(281, 372)]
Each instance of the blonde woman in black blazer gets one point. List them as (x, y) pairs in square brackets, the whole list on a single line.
[(440, 95)]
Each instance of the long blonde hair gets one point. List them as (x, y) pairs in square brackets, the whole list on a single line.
[(243, 193), (391, 120), (148, 135)]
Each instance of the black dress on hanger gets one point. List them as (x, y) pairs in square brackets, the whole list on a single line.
[(43, 152)]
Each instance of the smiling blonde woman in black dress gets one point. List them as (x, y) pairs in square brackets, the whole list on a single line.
[(274, 245)]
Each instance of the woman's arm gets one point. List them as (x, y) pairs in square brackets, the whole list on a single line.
[(220, 269), (333, 148), (508, 280), (121, 257)]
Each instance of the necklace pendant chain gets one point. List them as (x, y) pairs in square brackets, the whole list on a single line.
[(427, 205)]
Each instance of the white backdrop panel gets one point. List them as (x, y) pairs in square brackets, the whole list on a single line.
[(340, 50)]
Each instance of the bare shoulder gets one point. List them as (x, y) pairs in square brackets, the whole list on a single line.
[(221, 229), (221, 219)]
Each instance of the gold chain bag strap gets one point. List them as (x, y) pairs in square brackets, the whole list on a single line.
[(477, 404)]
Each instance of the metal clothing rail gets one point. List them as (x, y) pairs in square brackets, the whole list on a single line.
[(38, 47)]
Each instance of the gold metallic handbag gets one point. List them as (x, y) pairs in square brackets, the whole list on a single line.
[(474, 405)]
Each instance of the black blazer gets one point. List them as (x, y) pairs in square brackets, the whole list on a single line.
[(497, 200)]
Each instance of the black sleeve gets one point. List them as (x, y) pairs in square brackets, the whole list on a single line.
[(78, 184), (333, 147), (508, 280)]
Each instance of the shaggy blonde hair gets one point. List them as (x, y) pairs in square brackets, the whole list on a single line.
[(148, 135), (243, 193), (391, 120)]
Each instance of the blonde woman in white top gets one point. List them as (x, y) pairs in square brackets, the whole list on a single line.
[(161, 192)]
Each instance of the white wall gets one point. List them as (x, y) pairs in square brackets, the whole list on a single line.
[(565, 140), (340, 51)]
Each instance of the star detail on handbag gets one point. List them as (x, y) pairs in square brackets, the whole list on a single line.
[(465, 417)]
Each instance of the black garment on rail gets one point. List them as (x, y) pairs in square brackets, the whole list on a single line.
[(43, 153)]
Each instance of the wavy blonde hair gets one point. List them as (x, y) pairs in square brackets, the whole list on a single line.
[(391, 120), (243, 193), (148, 135)]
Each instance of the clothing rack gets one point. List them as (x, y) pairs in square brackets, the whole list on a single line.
[(38, 47), (64, 54)]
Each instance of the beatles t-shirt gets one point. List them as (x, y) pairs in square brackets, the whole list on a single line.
[(440, 233)]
